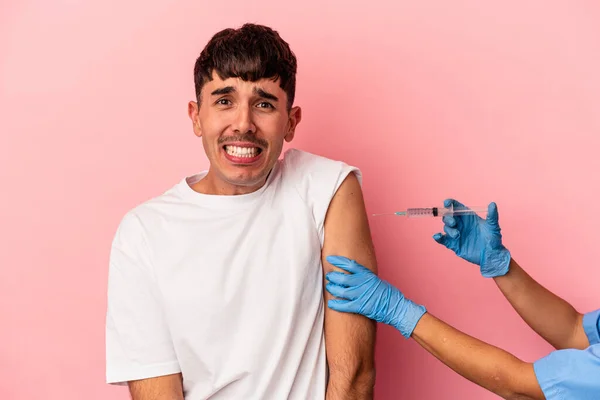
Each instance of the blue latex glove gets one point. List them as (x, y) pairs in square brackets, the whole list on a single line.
[(363, 292), (476, 240)]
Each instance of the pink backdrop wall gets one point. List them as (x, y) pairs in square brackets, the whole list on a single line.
[(431, 99)]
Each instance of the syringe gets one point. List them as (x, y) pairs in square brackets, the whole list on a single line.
[(436, 211)]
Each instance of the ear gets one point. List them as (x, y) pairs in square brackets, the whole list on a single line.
[(193, 113), (294, 119)]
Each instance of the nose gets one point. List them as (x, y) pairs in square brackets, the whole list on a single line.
[(242, 123)]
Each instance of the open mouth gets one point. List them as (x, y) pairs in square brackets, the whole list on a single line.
[(243, 154), (242, 151)]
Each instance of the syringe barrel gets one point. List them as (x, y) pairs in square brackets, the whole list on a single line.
[(441, 211), (424, 212)]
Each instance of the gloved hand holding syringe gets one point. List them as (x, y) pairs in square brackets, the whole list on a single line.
[(451, 209)]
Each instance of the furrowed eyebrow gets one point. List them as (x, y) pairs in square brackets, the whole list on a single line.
[(223, 90), (265, 95)]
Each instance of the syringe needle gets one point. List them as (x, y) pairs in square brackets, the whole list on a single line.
[(392, 213)]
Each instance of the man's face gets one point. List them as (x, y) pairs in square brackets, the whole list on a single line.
[(243, 126)]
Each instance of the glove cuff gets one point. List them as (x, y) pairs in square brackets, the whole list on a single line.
[(495, 262), (411, 316)]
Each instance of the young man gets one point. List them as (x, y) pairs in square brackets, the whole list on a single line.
[(216, 286)]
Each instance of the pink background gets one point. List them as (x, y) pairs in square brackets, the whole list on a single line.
[(431, 99)]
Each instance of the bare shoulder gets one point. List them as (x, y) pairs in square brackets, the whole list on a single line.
[(347, 231)]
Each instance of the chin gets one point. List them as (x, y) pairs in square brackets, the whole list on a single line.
[(247, 180), (247, 175)]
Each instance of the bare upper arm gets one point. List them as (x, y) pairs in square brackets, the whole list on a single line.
[(168, 387), (579, 339), (350, 338), (523, 382), (347, 230)]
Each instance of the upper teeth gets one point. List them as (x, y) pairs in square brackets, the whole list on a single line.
[(241, 151)]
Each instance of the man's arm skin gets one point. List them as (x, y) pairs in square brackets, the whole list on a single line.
[(550, 316), (481, 363), (349, 338), (168, 387)]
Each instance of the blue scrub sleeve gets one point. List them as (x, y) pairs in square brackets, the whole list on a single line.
[(591, 325), (570, 373)]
